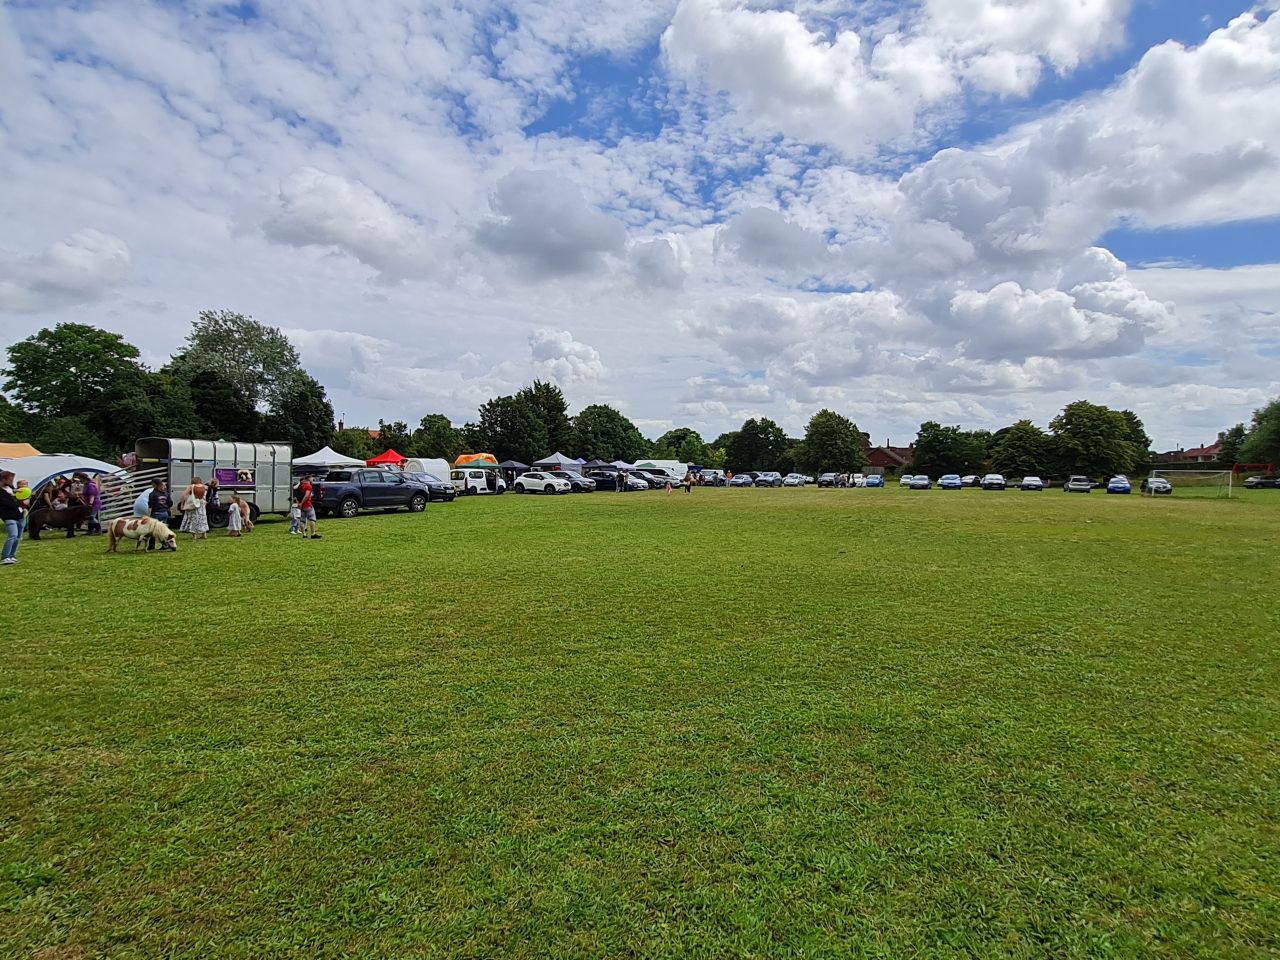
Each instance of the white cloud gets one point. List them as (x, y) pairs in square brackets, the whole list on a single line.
[(545, 223), (315, 208), (566, 360), (765, 238), (80, 269)]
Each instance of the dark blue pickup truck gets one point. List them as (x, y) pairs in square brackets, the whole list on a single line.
[(347, 492)]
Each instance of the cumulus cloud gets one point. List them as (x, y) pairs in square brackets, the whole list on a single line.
[(80, 269), (314, 208), (544, 222), (765, 238), (656, 264), (862, 91), (566, 360)]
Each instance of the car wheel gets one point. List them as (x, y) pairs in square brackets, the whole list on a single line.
[(349, 507), (548, 489), (218, 519), (417, 504)]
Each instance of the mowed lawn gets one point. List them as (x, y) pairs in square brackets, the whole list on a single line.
[(739, 723)]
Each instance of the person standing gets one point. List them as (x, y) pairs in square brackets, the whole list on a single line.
[(158, 504), (11, 514), (142, 504), (195, 516), (92, 495), (234, 517), (688, 482), (308, 508)]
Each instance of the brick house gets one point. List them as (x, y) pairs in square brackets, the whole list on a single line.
[(887, 459), (1209, 453)]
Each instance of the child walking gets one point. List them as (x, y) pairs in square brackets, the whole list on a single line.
[(235, 519)]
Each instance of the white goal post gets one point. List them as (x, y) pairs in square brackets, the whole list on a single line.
[(1210, 483)]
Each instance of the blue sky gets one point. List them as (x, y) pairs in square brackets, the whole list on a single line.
[(970, 211)]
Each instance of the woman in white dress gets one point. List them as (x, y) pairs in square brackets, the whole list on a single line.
[(195, 519)]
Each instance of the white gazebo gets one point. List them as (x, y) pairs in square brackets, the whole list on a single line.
[(328, 458)]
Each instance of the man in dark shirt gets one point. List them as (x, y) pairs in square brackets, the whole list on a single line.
[(158, 503)]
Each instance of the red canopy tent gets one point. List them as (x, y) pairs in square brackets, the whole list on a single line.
[(389, 457)]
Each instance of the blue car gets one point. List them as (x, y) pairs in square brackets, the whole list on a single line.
[(951, 481), (742, 480), (1119, 485), (875, 480)]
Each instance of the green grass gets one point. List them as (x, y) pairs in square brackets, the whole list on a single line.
[(741, 723)]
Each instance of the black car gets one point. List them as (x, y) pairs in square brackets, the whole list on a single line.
[(438, 490), (1262, 483), (656, 480), (827, 480), (579, 483)]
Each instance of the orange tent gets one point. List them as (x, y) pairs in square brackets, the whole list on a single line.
[(14, 450), (476, 460)]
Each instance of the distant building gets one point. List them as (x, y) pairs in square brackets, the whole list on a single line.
[(888, 458), (1209, 453)]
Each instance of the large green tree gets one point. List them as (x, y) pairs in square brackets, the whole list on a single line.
[(63, 371), (1263, 443), (682, 443), (1233, 441), (832, 443), (941, 450), (1022, 450), (547, 403), (143, 404), (16, 424), (436, 437), (602, 433), (394, 435), (1095, 440), (1137, 434), (511, 429), (225, 413), (259, 360), (355, 442), (302, 415), (759, 445)]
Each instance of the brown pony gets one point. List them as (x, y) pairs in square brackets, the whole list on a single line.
[(67, 519), (140, 530)]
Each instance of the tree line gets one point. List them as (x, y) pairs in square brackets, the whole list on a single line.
[(76, 388)]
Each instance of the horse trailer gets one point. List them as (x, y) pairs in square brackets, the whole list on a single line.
[(261, 473)]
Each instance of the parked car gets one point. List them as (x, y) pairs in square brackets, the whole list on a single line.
[(874, 480), (468, 481), (769, 478), (1119, 485), (857, 480), (347, 492), (713, 478), (577, 482), (1157, 486), (827, 480), (437, 489), (1262, 483), (742, 480), (905, 480), (1077, 484), (971, 480), (793, 480), (1031, 483), (921, 482), (540, 482), (950, 481), (993, 481)]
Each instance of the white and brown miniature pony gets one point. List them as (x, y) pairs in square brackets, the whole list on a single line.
[(140, 530)]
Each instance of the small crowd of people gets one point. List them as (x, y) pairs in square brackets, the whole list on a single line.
[(194, 504)]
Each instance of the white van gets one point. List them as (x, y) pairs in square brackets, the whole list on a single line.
[(437, 467), (469, 480)]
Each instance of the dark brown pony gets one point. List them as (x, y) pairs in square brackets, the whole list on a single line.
[(68, 519)]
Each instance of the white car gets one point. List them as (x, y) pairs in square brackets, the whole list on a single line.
[(794, 480), (905, 480), (468, 480), (539, 482), (858, 480)]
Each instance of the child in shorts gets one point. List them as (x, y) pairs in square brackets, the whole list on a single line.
[(295, 519)]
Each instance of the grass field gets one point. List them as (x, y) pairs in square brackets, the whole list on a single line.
[(774, 723)]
